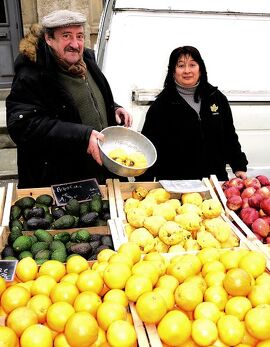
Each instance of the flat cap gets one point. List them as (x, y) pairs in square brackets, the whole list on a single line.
[(62, 18)]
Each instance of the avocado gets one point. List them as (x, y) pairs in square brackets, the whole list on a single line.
[(33, 239), (25, 254), (73, 207), (49, 217), (10, 257), (84, 208), (7, 251), (92, 257), (57, 212), (88, 219), (25, 202), (96, 203), (15, 212), (68, 246), (44, 199), (105, 215), (34, 212), (57, 245), (22, 243), (73, 236), (59, 254), (43, 235), (95, 245), (64, 222), (76, 221), (43, 254), (17, 223), (14, 234), (40, 261), (95, 237), (84, 249), (83, 235), (45, 208), (107, 241), (63, 237), (35, 223), (39, 246)]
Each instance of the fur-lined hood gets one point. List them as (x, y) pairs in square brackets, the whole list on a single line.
[(28, 45)]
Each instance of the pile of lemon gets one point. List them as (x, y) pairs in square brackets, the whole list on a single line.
[(211, 298)]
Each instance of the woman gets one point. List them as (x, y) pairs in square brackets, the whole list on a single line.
[(191, 125)]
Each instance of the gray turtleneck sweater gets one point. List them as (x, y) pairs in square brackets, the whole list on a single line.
[(188, 95)]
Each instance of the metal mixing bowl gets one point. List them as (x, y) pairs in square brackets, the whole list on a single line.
[(130, 141)]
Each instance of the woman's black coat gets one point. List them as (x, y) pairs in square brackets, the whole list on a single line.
[(191, 146)]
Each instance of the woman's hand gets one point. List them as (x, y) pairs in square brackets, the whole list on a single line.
[(122, 116), (241, 174)]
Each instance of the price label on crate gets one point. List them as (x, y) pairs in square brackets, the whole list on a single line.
[(80, 190), (183, 186), (7, 269)]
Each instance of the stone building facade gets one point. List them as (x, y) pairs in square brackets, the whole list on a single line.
[(34, 10)]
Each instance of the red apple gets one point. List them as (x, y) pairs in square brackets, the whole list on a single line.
[(225, 185), (263, 180), (231, 191), (234, 202), (245, 203), (268, 187), (236, 182), (255, 200), (265, 206), (252, 182), (249, 215), (266, 218), (264, 191), (261, 227), (267, 239), (248, 192)]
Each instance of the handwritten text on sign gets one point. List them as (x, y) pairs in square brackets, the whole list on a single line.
[(81, 191)]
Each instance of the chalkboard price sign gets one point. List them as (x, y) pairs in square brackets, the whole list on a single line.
[(80, 190), (7, 269)]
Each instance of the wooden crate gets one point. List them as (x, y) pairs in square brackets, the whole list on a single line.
[(2, 202), (111, 229), (123, 191), (241, 226), (13, 194)]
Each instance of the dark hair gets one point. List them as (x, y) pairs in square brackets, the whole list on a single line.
[(49, 32), (195, 54)]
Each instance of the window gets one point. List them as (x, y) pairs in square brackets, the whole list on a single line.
[(3, 17)]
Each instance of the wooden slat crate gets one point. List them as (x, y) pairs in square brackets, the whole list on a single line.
[(241, 226), (123, 191), (2, 202), (13, 194)]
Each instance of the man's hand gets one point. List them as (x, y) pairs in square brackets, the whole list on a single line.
[(93, 148), (122, 116)]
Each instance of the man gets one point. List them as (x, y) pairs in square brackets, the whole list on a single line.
[(58, 104)]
